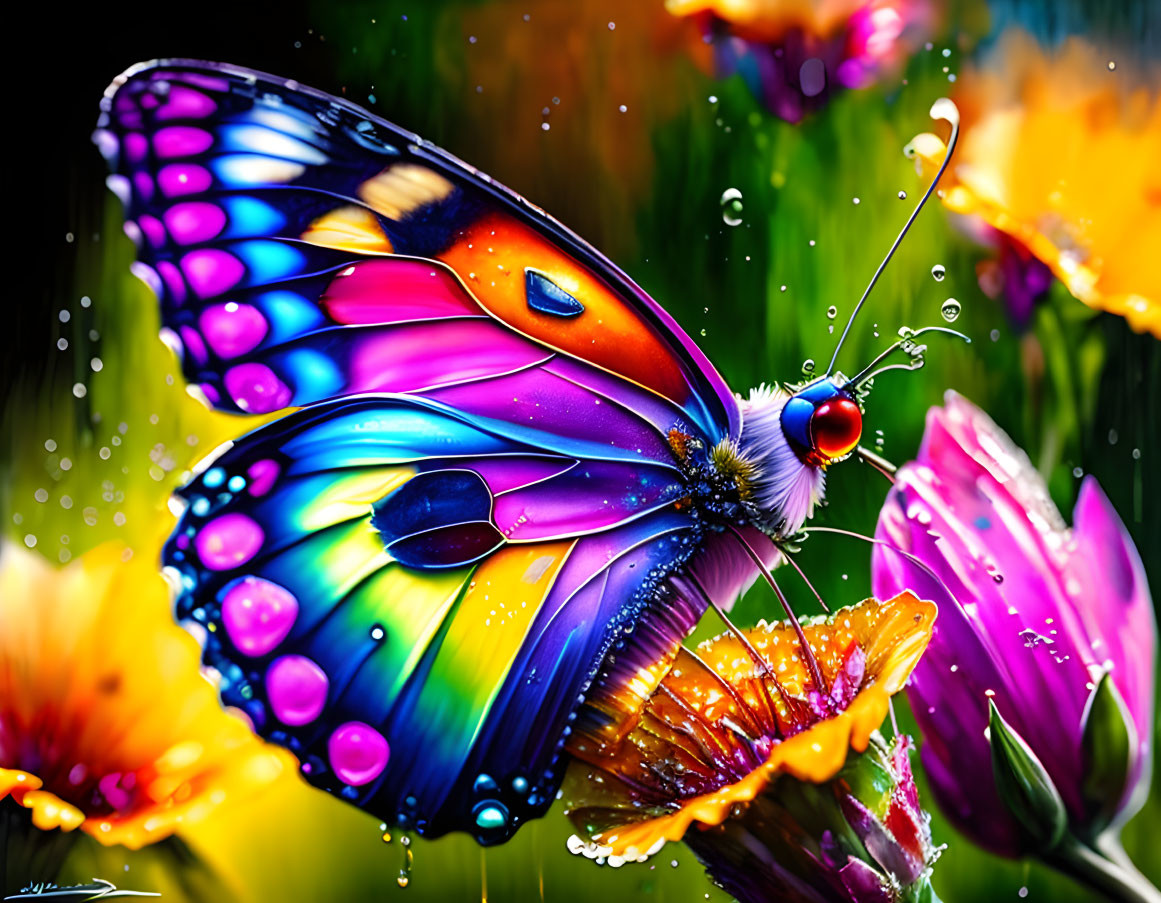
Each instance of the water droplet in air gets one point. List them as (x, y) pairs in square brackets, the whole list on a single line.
[(731, 207), (938, 272), (832, 312), (808, 366), (1112, 65), (902, 195), (950, 310), (855, 201)]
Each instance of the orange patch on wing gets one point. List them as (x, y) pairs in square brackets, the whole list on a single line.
[(491, 257), (405, 187), (349, 228)]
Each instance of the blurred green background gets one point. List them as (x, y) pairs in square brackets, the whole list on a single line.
[(641, 145)]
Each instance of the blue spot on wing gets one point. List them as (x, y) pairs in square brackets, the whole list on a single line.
[(269, 261), (546, 296), (438, 519), (251, 217)]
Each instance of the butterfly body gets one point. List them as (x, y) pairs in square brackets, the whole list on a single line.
[(508, 463)]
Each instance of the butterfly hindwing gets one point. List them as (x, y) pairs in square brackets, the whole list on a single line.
[(370, 601)]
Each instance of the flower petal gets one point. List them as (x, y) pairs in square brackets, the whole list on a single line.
[(103, 706)]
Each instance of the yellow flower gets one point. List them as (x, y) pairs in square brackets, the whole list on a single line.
[(106, 722), (699, 734), (1061, 154)]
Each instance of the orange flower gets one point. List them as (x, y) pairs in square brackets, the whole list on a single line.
[(698, 735), (1059, 154), (106, 722)]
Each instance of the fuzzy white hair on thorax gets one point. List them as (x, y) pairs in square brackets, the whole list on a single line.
[(785, 488)]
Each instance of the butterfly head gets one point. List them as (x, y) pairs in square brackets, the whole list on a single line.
[(823, 420)]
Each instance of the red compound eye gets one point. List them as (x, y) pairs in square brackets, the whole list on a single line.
[(835, 427)]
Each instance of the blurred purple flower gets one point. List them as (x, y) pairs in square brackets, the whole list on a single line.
[(795, 55), (1047, 623)]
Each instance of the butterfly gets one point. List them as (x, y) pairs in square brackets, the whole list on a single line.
[(501, 461)]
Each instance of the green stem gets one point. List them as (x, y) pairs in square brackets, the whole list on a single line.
[(1117, 880)]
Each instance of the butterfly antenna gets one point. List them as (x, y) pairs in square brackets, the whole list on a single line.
[(941, 109), (907, 342), (807, 653), (740, 636), (801, 573), (886, 545), (881, 464)]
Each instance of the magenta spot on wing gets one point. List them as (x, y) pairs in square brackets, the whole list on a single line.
[(177, 179), (148, 275), (261, 476), (136, 147), (358, 753), (148, 102), (194, 222), (181, 141), (258, 614), (256, 389), (182, 542), (395, 291), (212, 271), (232, 329), (185, 103), (297, 689), (213, 396), (194, 344), (173, 281), (209, 82), (153, 229), (144, 185), (229, 541)]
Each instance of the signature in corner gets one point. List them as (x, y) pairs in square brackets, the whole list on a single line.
[(99, 889)]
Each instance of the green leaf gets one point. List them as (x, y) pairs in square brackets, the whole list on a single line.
[(1108, 744), (1024, 784)]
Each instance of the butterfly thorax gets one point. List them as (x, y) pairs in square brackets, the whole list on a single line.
[(777, 484)]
